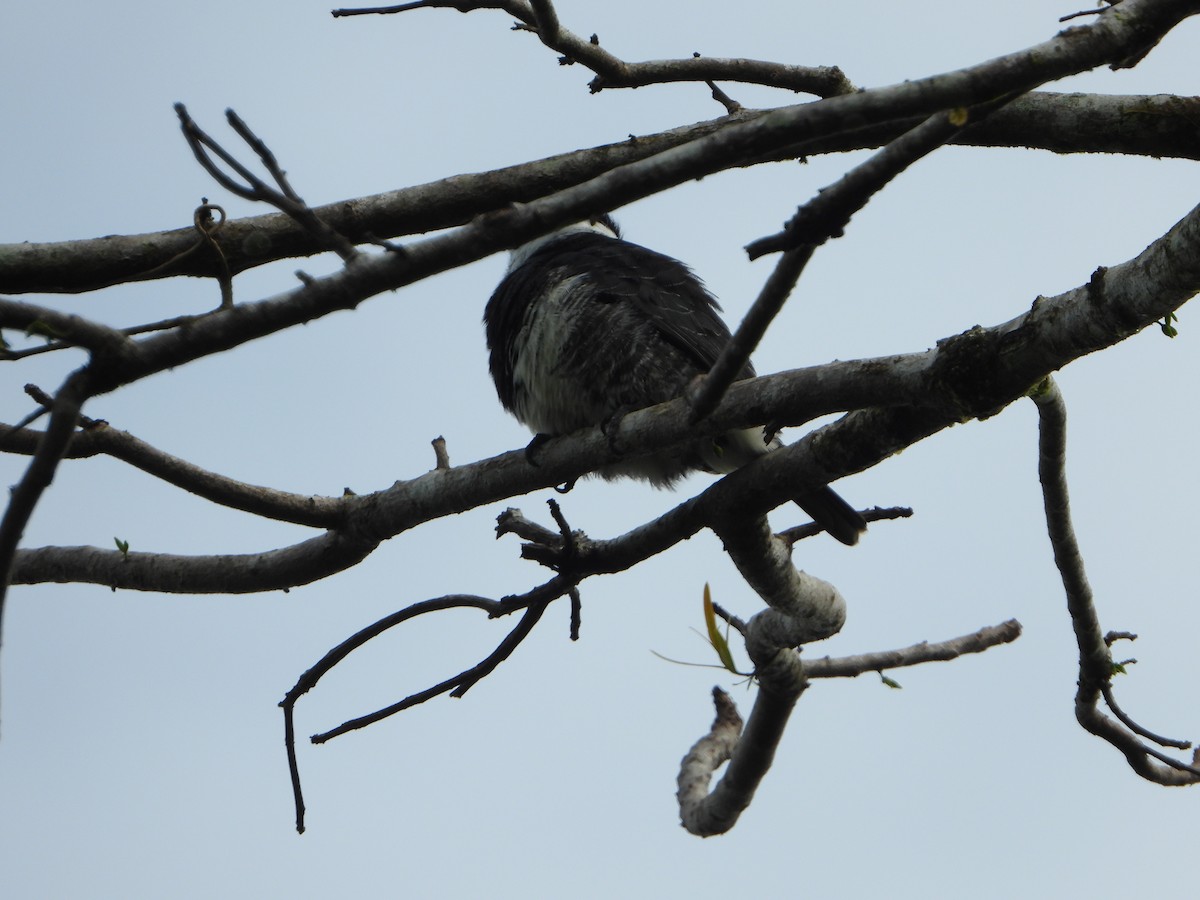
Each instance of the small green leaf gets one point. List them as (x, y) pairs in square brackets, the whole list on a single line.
[(889, 682), (123, 546), (1121, 667), (714, 634), (1041, 388), (42, 329), (1167, 327)]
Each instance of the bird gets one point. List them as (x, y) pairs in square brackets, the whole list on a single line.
[(586, 326)]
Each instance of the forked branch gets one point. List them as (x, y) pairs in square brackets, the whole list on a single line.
[(540, 18), (532, 604), (282, 196), (781, 683), (1095, 655)]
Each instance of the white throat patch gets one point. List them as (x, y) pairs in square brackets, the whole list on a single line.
[(522, 253)]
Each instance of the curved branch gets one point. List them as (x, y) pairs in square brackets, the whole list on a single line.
[(100, 438), (1095, 657), (782, 681), (71, 330), (802, 608), (533, 603)]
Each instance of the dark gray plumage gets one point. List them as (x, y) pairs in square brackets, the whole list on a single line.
[(586, 326)]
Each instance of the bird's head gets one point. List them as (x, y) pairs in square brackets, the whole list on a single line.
[(603, 224)]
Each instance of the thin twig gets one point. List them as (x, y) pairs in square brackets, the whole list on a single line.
[(1111, 701), (730, 619), (829, 212), (877, 514), (576, 613), (285, 199), (533, 603), (732, 107), (915, 655), (381, 10)]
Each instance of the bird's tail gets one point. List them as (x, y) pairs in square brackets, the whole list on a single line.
[(833, 514)]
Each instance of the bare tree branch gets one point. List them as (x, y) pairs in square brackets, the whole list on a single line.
[(781, 682), (38, 475), (100, 438), (750, 754), (828, 213), (226, 573), (924, 652), (540, 18), (876, 514), (822, 218), (533, 604), (703, 759), (284, 197), (1155, 126), (70, 330), (1095, 657)]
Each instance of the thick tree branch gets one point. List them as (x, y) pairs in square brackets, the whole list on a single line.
[(1146, 125), (802, 608)]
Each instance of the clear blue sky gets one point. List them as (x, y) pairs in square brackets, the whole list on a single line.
[(141, 751)]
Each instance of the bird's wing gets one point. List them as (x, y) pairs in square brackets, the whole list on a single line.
[(504, 318), (661, 288)]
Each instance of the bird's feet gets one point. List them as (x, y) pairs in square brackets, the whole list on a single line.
[(531, 449), (531, 453), (609, 428)]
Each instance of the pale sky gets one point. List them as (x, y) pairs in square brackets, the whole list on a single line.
[(141, 748)]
